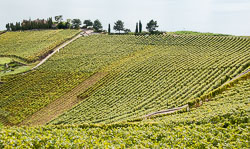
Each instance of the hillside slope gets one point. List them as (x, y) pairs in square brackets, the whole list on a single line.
[(32, 45), (220, 123), (167, 73), (24, 94), (144, 74)]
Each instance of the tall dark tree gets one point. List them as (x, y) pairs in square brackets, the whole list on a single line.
[(76, 23), (119, 26), (109, 29), (151, 26), (68, 24), (97, 26), (136, 28), (88, 23), (12, 27), (50, 23), (18, 26), (140, 27), (8, 27)]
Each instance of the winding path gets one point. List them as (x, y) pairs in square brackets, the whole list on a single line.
[(57, 49), (166, 111), (84, 32)]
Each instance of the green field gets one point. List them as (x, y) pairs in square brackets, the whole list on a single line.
[(20, 51), (220, 123), (65, 70), (142, 75), (32, 45), (145, 74), (161, 76)]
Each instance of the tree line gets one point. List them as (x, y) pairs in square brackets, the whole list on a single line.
[(77, 24), (50, 24), (119, 26)]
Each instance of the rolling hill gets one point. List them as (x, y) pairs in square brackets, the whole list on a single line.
[(96, 92)]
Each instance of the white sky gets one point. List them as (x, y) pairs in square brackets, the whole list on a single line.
[(221, 16)]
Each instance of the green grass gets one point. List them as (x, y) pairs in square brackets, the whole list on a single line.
[(220, 123), (18, 70), (31, 46), (196, 33), (5, 60), (10, 66)]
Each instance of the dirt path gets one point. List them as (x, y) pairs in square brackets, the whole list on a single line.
[(62, 104), (57, 50), (166, 111), (237, 76), (2, 32)]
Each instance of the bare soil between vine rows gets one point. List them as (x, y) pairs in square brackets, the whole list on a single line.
[(61, 105)]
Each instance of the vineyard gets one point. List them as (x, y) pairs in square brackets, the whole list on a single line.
[(166, 73), (107, 84), (22, 95), (220, 123), (31, 46)]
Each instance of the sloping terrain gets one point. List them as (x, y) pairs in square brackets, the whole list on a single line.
[(220, 123), (144, 74), (23, 95), (25, 49), (62, 104), (97, 91), (31, 46), (166, 73)]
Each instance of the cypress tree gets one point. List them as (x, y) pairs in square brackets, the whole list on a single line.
[(136, 29), (50, 23), (8, 26), (140, 27), (13, 28), (109, 29), (18, 27)]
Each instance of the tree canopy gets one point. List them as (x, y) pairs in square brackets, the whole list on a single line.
[(88, 23), (59, 18), (151, 26), (119, 26), (76, 23), (97, 26)]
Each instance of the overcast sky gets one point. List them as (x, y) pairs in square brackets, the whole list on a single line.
[(220, 16)]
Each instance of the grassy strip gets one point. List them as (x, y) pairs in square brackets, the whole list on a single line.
[(197, 33)]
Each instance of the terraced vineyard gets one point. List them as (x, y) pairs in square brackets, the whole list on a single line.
[(24, 94), (31, 46), (144, 74), (220, 123), (167, 72)]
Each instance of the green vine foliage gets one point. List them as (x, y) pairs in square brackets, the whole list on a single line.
[(220, 123), (168, 72), (31, 46)]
